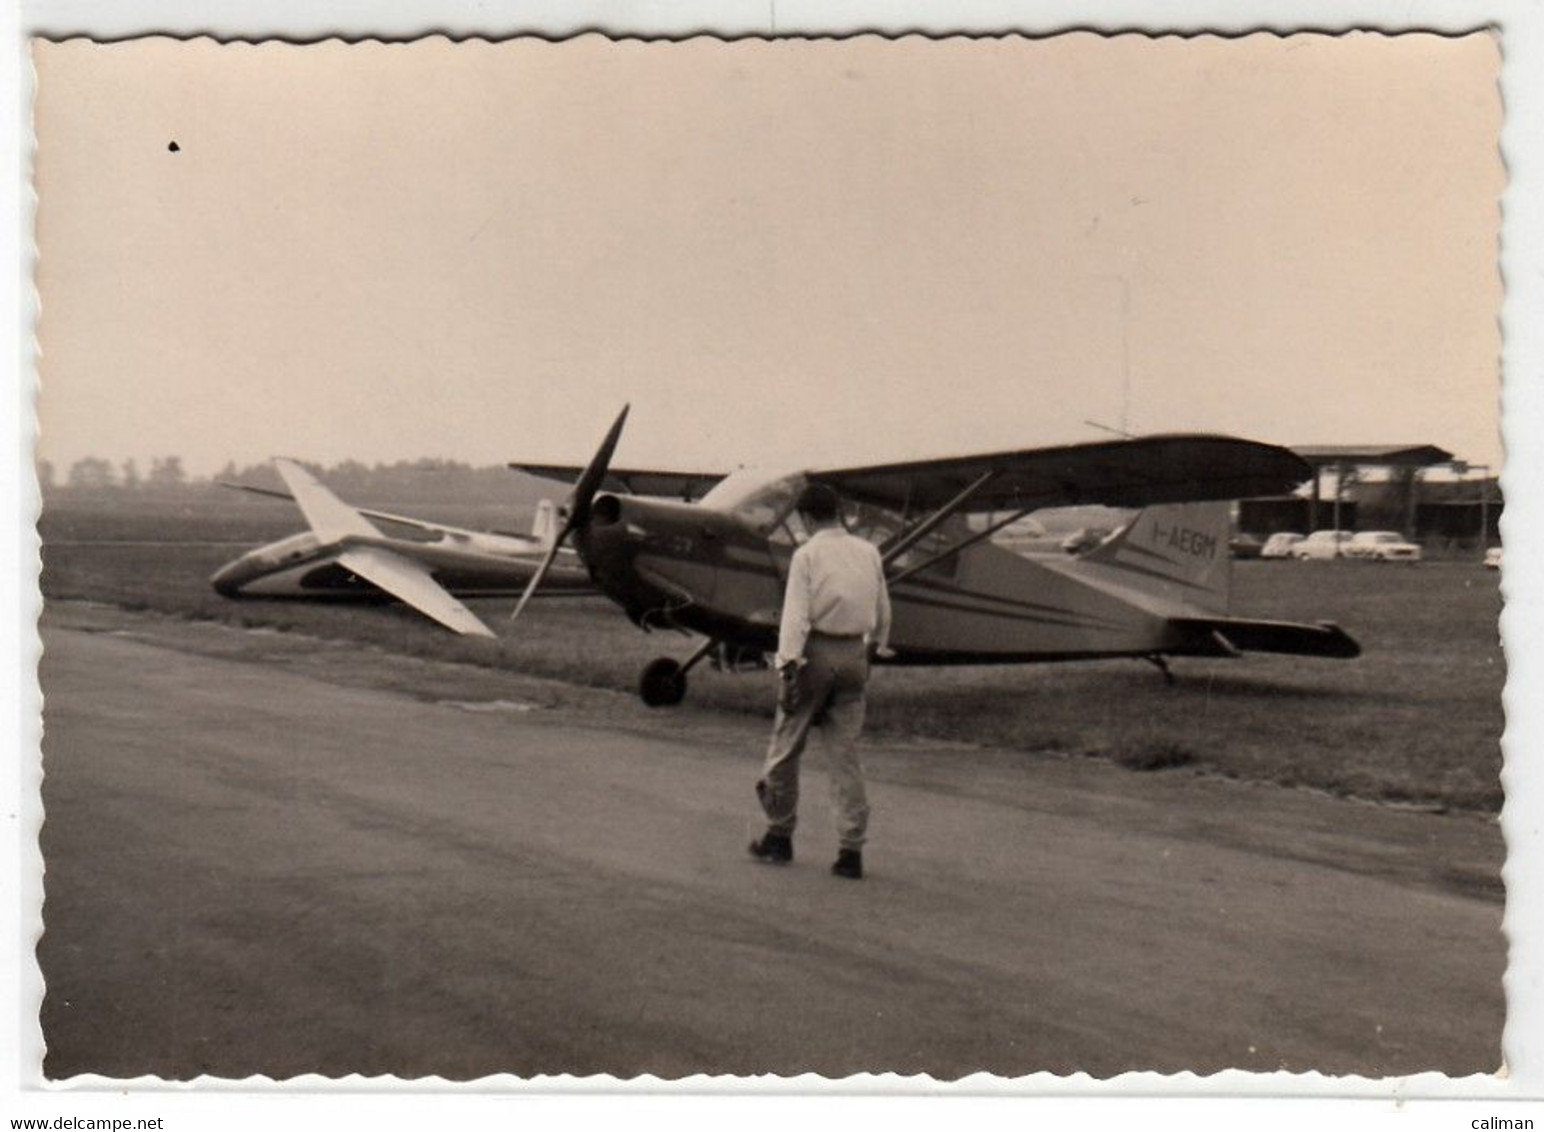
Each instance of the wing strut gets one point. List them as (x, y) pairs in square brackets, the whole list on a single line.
[(963, 544), (927, 525)]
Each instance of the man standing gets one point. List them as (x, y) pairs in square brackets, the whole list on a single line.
[(835, 608)]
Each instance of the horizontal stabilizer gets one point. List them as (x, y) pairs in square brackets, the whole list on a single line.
[(410, 582), (1228, 635)]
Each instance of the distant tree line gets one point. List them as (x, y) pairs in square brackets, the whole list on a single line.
[(93, 472), (427, 480)]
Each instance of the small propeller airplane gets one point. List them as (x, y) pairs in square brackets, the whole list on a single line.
[(344, 554), (1158, 588)]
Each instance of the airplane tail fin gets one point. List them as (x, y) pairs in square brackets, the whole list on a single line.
[(1179, 554), (1177, 551), (544, 527)]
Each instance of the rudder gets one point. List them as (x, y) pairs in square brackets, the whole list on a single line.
[(1178, 551)]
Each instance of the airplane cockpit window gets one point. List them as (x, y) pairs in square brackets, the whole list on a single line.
[(288, 550), (880, 525), (791, 532), (875, 524), (760, 500), (765, 502)]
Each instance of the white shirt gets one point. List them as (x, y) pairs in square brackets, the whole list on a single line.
[(836, 584)]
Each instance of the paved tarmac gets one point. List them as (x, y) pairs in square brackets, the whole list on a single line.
[(255, 869)]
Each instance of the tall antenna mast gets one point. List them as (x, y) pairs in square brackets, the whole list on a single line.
[(1106, 428)]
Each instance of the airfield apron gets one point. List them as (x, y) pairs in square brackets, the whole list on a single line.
[(829, 693)]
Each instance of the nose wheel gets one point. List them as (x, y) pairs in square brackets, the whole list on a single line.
[(662, 683)]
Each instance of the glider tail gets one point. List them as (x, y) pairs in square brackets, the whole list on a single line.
[(544, 527), (1177, 551)]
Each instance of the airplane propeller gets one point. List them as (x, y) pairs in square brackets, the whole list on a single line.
[(578, 510)]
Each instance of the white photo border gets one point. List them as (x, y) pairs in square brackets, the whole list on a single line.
[(1519, 25)]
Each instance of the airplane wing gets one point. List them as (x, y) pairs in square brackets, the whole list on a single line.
[(383, 516), (330, 518), (410, 582), (1179, 468), (633, 481)]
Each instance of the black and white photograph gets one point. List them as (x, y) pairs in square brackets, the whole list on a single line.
[(612, 557)]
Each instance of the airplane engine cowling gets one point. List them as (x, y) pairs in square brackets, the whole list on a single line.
[(605, 511)]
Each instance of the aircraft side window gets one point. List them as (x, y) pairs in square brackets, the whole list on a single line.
[(879, 526), (790, 532), (928, 549), (763, 506), (871, 523)]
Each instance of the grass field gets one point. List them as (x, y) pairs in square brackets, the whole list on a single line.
[(1417, 718)]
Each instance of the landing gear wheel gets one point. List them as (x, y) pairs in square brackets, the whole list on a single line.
[(662, 683)]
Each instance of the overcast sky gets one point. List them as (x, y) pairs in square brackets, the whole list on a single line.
[(817, 253)]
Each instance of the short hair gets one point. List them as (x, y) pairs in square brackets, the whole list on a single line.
[(820, 502)]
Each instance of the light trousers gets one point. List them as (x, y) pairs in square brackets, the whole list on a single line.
[(828, 693)]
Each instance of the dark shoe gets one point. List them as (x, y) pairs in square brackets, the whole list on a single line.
[(773, 849), (849, 864)]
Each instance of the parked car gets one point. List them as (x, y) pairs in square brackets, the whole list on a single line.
[(1493, 558), (1085, 539), (1245, 546), (1382, 546), (1280, 544), (1321, 544)]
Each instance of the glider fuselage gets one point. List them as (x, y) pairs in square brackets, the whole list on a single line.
[(302, 565)]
